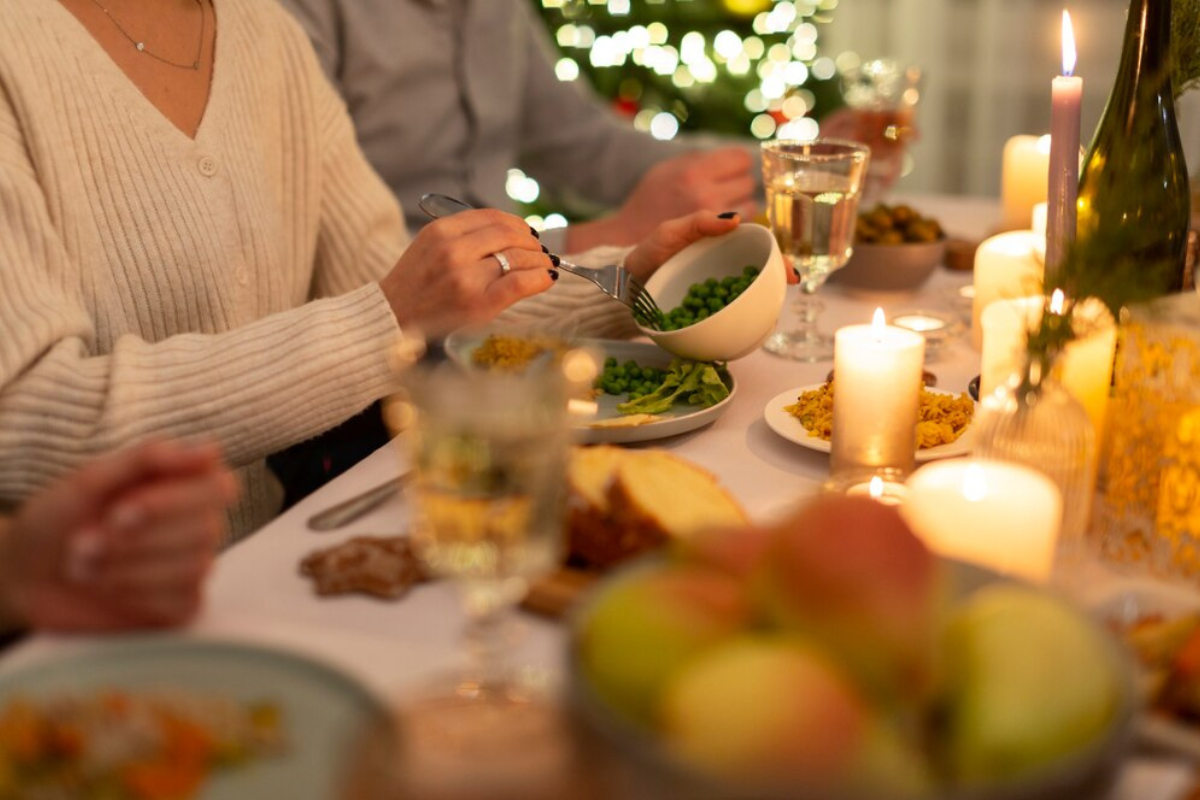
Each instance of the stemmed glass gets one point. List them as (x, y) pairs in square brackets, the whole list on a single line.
[(813, 189), (489, 457), (882, 95)]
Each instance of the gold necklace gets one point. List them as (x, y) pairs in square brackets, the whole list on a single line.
[(141, 46)]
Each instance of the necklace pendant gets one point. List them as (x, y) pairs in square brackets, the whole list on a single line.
[(141, 46)]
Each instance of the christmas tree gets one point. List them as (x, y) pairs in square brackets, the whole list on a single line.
[(740, 67)]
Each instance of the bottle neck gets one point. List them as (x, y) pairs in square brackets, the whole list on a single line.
[(1147, 50)]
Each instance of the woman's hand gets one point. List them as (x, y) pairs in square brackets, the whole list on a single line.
[(672, 236), (124, 542), (450, 275)]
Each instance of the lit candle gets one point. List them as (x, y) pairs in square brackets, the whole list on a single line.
[(1023, 179), (877, 372), (1084, 368), (997, 514), (1067, 91), (890, 493), (1006, 266), (921, 323)]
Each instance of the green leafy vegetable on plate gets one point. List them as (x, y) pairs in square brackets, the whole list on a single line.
[(697, 383)]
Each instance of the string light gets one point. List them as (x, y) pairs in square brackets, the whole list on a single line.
[(660, 64)]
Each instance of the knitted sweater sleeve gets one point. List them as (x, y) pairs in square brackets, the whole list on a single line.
[(255, 389)]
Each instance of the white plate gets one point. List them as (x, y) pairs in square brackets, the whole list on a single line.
[(681, 418), (787, 426)]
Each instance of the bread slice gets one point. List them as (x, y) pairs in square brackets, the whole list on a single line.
[(661, 493), (625, 502), (593, 537)]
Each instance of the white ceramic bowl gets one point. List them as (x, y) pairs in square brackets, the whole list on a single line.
[(740, 327)]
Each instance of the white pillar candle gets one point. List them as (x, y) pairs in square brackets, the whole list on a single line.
[(1084, 368), (1024, 179), (1006, 325), (877, 389), (996, 514), (1006, 266)]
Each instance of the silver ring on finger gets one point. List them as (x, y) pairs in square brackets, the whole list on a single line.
[(505, 267)]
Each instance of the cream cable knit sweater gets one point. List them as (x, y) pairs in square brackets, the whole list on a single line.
[(224, 287)]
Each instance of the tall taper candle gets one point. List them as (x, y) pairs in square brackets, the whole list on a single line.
[(1067, 91)]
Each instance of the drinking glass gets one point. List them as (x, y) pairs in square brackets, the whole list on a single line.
[(489, 454), (882, 95), (813, 189)]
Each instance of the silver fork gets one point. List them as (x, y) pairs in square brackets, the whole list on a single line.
[(614, 280)]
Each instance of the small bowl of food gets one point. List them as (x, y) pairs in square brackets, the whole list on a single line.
[(895, 250), (720, 296)]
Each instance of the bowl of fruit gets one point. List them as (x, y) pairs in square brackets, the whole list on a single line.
[(834, 656), (720, 296), (895, 250)]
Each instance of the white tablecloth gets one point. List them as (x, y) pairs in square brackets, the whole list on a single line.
[(257, 594)]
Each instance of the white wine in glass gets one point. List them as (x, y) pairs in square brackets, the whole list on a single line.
[(813, 189), (488, 492), (813, 220)]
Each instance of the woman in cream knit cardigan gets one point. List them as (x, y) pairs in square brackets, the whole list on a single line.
[(191, 243)]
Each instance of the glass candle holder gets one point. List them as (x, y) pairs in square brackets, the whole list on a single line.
[(877, 382), (1039, 424)]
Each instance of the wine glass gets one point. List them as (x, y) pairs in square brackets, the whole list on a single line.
[(813, 189), (881, 96), (489, 454)]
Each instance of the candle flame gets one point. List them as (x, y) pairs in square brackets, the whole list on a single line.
[(878, 321), (1068, 44), (875, 489), (974, 485), (1057, 301)]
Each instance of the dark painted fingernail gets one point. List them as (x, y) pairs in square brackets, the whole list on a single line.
[(553, 274), (545, 250), (727, 214), (555, 260), (534, 232)]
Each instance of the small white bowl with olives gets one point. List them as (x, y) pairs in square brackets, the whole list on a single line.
[(895, 250), (721, 296)]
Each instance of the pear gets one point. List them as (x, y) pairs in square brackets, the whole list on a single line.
[(1033, 681), (643, 628)]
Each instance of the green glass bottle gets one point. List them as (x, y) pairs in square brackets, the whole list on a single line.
[(1134, 180)]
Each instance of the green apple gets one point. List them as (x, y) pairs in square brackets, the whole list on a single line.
[(780, 711), (1033, 680), (849, 573), (646, 626)]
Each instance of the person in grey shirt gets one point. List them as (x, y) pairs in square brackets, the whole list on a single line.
[(448, 95)]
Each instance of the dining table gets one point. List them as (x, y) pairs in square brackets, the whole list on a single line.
[(257, 594)]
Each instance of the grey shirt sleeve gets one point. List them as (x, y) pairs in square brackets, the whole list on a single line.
[(570, 140)]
